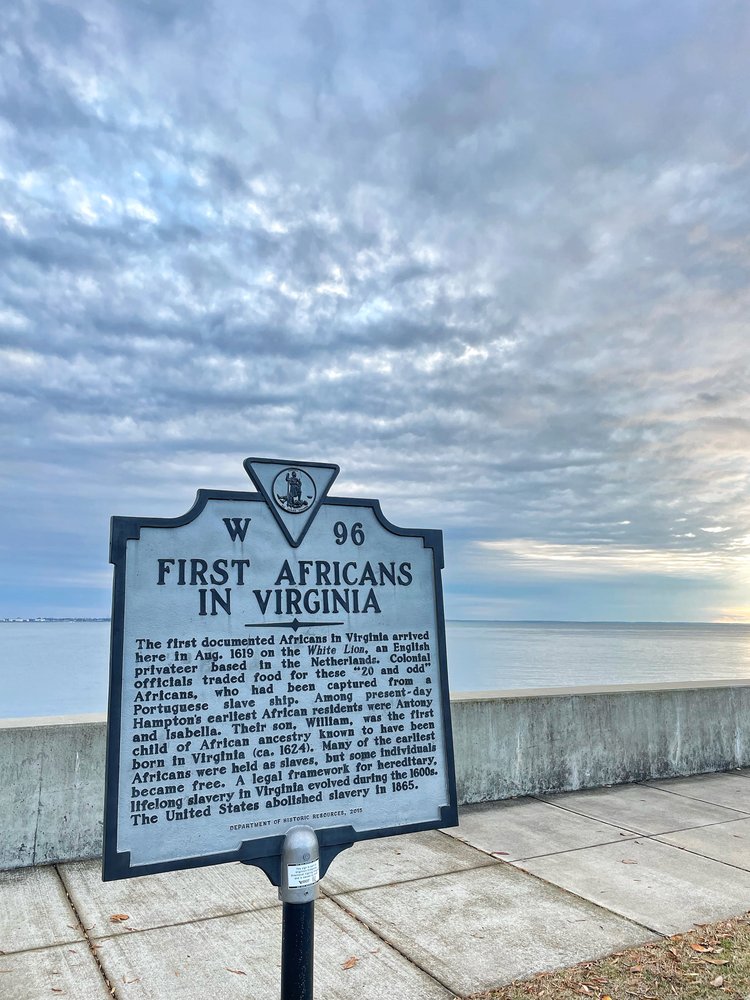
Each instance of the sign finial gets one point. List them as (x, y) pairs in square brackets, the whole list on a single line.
[(293, 491)]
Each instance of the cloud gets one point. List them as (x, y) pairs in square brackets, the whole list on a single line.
[(613, 560), (489, 258)]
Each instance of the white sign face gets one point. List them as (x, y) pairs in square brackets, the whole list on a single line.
[(259, 684)]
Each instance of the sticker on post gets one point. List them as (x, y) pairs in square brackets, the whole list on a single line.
[(301, 875)]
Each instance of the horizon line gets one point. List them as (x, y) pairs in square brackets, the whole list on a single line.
[(30, 620)]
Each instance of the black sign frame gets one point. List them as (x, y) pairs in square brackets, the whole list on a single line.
[(262, 852)]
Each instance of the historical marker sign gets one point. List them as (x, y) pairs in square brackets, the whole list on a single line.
[(278, 658)]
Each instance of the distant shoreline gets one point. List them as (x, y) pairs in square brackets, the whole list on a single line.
[(457, 621), (33, 621)]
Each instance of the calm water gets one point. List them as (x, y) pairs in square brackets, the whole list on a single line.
[(59, 668)]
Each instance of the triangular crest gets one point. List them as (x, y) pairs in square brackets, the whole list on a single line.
[(293, 491)]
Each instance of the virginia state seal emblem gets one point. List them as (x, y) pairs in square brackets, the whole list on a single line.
[(293, 490)]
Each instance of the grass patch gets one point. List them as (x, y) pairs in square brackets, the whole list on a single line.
[(709, 963)]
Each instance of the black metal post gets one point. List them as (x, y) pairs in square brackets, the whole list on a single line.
[(298, 890), (297, 941)]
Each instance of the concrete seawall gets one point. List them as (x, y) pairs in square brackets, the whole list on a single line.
[(506, 744)]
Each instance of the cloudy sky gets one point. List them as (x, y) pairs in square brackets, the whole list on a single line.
[(491, 258)]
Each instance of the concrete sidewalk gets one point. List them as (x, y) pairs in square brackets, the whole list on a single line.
[(522, 886)]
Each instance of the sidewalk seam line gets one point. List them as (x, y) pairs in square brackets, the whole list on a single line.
[(602, 906), (646, 783), (592, 902), (575, 812), (585, 899), (638, 833), (41, 947), (111, 988), (572, 850), (130, 931), (417, 878), (636, 836), (705, 857), (393, 947)]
